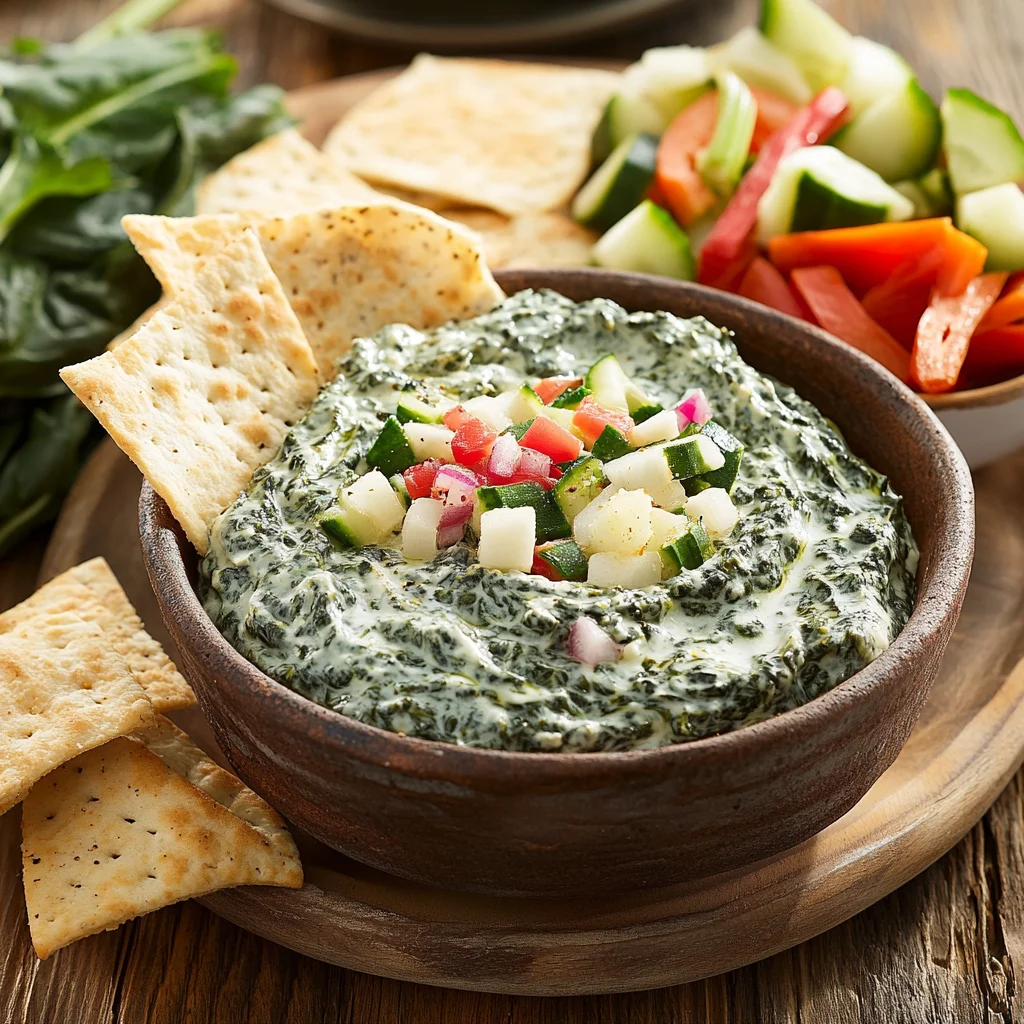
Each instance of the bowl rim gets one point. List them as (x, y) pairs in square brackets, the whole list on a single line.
[(973, 398), (505, 770)]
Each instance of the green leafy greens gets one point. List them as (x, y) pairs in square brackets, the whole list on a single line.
[(120, 121)]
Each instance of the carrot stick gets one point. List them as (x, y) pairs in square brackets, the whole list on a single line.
[(676, 175)]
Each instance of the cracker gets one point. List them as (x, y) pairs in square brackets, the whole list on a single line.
[(282, 174), (205, 392), (133, 328), (532, 240), (123, 830), (512, 137), (347, 272), (63, 690), (92, 592)]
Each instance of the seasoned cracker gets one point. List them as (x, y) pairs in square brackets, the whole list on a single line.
[(532, 240)]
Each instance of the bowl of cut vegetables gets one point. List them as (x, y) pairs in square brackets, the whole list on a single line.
[(807, 169)]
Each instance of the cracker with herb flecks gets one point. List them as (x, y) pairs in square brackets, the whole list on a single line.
[(282, 174), (512, 137), (92, 592), (138, 824), (532, 240), (205, 392), (347, 272), (63, 690)]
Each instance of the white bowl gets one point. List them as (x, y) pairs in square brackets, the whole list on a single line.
[(987, 423)]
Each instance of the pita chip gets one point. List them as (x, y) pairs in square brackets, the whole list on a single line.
[(532, 240), (347, 272), (511, 137), (91, 591), (63, 690), (205, 392), (139, 824), (282, 174)]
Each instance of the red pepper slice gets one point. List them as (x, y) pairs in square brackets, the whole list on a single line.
[(813, 124), (838, 311), (945, 331), (1009, 308), (764, 284), (993, 356), (899, 302)]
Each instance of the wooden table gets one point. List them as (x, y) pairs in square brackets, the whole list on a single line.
[(945, 948)]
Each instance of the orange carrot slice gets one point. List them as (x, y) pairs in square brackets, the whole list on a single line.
[(676, 176)]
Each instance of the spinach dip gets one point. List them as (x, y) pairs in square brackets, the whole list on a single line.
[(813, 583)]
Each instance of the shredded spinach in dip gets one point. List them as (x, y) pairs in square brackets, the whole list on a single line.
[(813, 584)]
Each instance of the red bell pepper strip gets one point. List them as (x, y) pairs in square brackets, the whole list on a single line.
[(898, 302), (867, 256), (773, 113), (676, 177), (838, 311), (764, 284), (813, 124), (945, 330), (994, 356), (1008, 308)]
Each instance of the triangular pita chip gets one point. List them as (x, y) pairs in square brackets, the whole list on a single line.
[(282, 174), (63, 689), (512, 137), (532, 240), (347, 272), (139, 824), (206, 391), (92, 592)]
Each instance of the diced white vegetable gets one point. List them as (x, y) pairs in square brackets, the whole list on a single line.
[(519, 405), (759, 62), (429, 441), (715, 509), (583, 524), (507, 539), (490, 410), (646, 470), (589, 644), (606, 569), (419, 532), (665, 526), (671, 77), (662, 426), (563, 417), (672, 496), (373, 496), (623, 525)]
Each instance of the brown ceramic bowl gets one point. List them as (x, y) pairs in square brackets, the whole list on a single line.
[(576, 824)]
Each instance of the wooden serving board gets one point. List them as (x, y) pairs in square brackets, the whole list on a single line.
[(967, 745)]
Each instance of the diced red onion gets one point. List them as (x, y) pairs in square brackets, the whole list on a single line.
[(449, 535), (455, 486), (589, 644), (534, 463), (694, 408), (455, 515), (506, 456)]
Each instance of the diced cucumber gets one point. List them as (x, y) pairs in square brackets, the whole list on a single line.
[(694, 456), (874, 72), (563, 417), (982, 144), (995, 217), (551, 522), (666, 526), (817, 43), (898, 136), (715, 511), (517, 430), (930, 194), (571, 399), (695, 485), (369, 511), (391, 451), (819, 187), (490, 410), (629, 112), (611, 444), (419, 531), (671, 496), (399, 486), (349, 528), (507, 538), (566, 558), (579, 485), (414, 410), (649, 241), (761, 63), (429, 441), (690, 550), (721, 164), (618, 184), (607, 382), (732, 452), (645, 469), (520, 405), (632, 572), (644, 412), (662, 426), (670, 77)]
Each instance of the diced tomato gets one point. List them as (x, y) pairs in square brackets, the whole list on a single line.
[(773, 113), (551, 439), (676, 176), (419, 479), (551, 387), (472, 444), (994, 355), (555, 473), (591, 418), (456, 417), (542, 568), (764, 284)]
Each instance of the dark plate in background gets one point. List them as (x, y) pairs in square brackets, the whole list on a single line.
[(494, 25)]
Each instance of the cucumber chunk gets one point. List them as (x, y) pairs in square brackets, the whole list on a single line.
[(571, 399), (644, 412), (696, 456), (873, 73), (982, 144), (898, 136), (618, 184), (411, 409), (518, 430), (761, 63), (607, 382), (930, 194), (611, 444), (551, 521), (627, 113), (690, 550), (348, 528), (817, 43), (391, 452), (995, 217), (566, 558), (819, 187), (578, 486), (721, 164), (649, 241), (732, 451)]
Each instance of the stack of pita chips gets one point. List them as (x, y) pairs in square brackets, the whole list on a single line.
[(121, 812)]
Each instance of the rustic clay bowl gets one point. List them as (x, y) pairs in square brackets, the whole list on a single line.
[(986, 423), (576, 824)]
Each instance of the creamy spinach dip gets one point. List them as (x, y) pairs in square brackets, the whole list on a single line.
[(813, 583)]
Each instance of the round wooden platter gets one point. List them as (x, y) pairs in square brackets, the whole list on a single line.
[(967, 745)]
